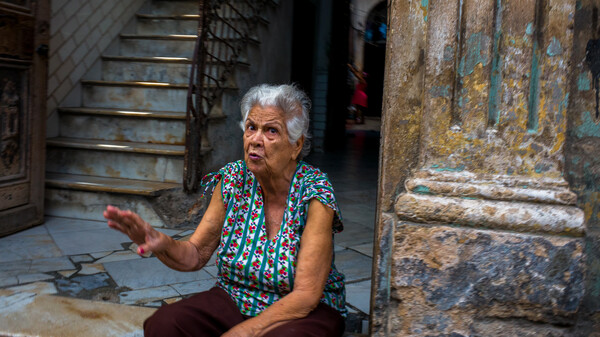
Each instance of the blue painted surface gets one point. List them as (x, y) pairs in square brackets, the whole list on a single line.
[(475, 54), (583, 82), (420, 189), (530, 28), (588, 127), (554, 48), (451, 169), (440, 91), (425, 6), (534, 97)]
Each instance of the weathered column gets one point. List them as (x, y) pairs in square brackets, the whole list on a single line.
[(479, 233)]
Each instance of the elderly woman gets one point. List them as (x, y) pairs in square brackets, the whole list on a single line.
[(271, 219)]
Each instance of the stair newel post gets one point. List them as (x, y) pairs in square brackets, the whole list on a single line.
[(195, 114)]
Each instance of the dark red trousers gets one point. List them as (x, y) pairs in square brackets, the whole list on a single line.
[(212, 313)]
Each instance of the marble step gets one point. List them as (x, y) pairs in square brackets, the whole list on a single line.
[(176, 45), (170, 7), (121, 125), (151, 69), (153, 96), (148, 24), (146, 69), (110, 185), (89, 205), (116, 159)]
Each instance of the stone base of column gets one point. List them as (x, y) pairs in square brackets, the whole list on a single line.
[(485, 256), (456, 281)]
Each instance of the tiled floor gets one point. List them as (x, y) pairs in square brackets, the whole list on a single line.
[(86, 260)]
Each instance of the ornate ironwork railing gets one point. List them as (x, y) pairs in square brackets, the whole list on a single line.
[(224, 29)]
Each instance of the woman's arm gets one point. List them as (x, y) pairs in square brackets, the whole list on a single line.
[(314, 264), (179, 255)]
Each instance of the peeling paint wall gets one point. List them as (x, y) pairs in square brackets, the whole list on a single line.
[(488, 202), (582, 163)]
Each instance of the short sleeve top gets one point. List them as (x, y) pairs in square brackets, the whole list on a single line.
[(257, 271)]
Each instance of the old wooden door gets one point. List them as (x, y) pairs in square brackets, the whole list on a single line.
[(23, 71)]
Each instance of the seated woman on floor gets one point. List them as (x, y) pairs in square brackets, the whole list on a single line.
[(271, 219)]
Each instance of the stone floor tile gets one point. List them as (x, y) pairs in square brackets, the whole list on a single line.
[(25, 246), (8, 281), (28, 278), (14, 268), (172, 300), (58, 225), (353, 234), (51, 264), (68, 317), (91, 268), (150, 272), (89, 241), (212, 270), (355, 266), (154, 304), (81, 258), (100, 255), (359, 295), (169, 232), (359, 213), (67, 273), (119, 256), (37, 230), (141, 296), (37, 288), (186, 233), (78, 284), (366, 249), (195, 287)]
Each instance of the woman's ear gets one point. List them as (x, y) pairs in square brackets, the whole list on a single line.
[(298, 147)]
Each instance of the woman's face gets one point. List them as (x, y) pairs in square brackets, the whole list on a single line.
[(267, 149)]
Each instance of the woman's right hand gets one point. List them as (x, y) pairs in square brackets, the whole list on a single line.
[(139, 231)]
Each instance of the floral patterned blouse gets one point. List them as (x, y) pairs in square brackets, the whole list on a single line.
[(256, 271)]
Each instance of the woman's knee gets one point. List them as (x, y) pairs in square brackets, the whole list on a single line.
[(164, 322)]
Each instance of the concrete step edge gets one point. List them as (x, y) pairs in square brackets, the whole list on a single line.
[(139, 84), (123, 113), (174, 37), (106, 184), (148, 59), (181, 37), (116, 146), (185, 17)]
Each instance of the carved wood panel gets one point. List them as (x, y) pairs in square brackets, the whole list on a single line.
[(23, 28)]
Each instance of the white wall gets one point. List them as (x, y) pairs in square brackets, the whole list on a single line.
[(360, 10), (80, 30)]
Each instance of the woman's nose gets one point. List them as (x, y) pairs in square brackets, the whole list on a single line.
[(257, 137)]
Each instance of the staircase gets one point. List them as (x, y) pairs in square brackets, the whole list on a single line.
[(125, 145)]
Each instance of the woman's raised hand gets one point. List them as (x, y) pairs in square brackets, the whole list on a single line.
[(139, 231)]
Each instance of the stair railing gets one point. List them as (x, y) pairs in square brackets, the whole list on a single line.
[(224, 29)]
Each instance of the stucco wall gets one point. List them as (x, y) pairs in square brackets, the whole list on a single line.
[(453, 258), (80, 30), (360, 10)]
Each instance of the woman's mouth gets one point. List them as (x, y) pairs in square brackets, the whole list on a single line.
[(254, 156)]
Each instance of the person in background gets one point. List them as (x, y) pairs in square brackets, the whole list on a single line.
[(271, 220), (359, 98)]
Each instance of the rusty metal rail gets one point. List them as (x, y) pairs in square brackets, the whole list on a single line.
[(224, 29)]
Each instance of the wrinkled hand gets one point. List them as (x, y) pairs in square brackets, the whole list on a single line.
[(139, 231), (237, 331)]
